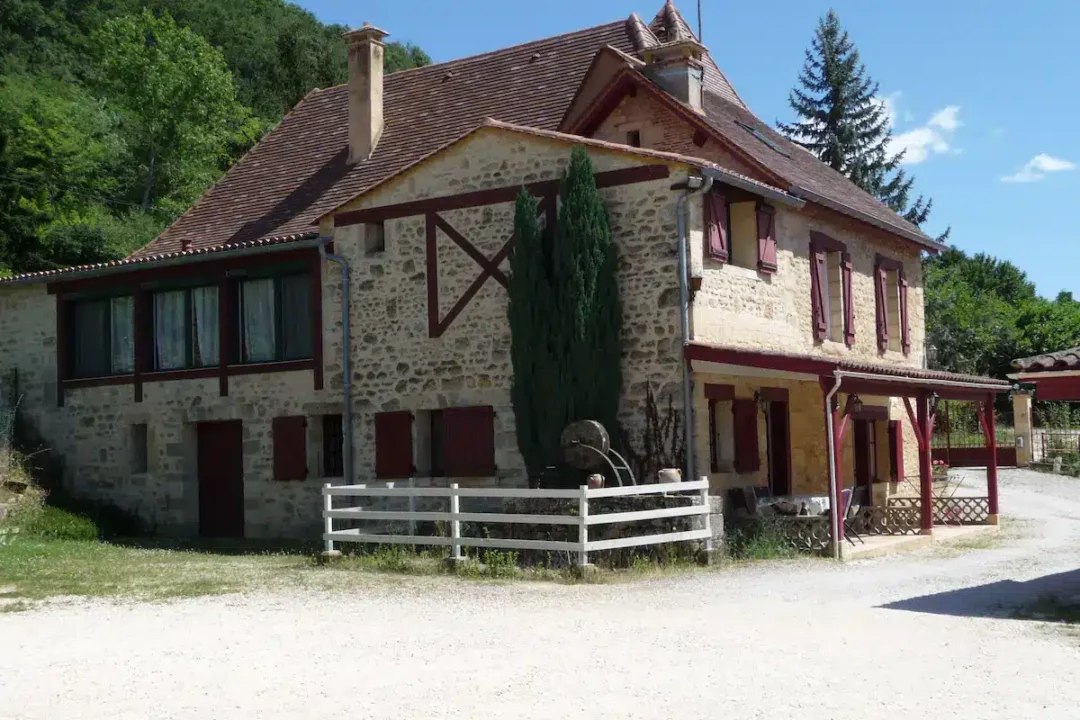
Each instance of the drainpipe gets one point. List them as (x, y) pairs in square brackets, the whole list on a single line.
[(346, 353), (693, 185), (834, 495)]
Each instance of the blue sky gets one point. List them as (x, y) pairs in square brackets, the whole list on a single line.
[(984, 100)]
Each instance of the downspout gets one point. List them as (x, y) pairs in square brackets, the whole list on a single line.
[(693, 185), (830, 453), (346, 372)]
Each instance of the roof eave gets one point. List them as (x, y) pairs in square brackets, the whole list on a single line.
[(927, 242)]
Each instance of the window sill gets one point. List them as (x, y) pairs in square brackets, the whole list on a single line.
[(270, 367), (99, 381)]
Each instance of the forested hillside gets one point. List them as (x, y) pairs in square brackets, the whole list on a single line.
[(116, 114)]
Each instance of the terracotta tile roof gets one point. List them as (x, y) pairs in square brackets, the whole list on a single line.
[(748, 183), (150, 259), (802, 169), (1061, 360), (818, 364), (299, 170)]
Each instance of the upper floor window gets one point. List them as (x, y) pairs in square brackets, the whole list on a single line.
[(633, 138), (740, 230), (374, 238), (830, 289), (186, 328), (275, 319), (103, 337), (891, 299)]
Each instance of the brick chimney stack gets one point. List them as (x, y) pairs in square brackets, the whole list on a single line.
[(365, 90)]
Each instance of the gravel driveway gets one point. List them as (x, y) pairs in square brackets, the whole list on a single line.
[(913, 636)]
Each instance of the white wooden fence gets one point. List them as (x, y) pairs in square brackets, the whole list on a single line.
[(454, 517)]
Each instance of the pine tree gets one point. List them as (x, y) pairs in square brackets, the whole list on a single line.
[(565, 318), (843, 123)]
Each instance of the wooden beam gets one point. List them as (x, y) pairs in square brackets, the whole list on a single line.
[(494, 196), (490, 269), (914, 423), (432, 276)]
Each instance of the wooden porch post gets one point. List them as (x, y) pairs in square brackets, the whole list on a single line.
[(926, 471), (836, 445), (991, 461)]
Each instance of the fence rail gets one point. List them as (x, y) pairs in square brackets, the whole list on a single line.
[(698, 513)]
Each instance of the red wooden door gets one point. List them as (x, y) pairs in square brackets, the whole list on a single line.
[(221, 479)]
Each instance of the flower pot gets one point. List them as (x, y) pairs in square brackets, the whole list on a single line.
[(669, 475), (596, 481)]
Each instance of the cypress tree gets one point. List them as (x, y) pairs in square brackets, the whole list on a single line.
[(565, 318), (843, 124), (530, 293)]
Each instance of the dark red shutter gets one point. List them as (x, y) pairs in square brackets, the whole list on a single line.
[(896, 450), (716, 227), (849, 300), (290, 447), (819, 285), (469, 441), (766, 239), (746, 435), (393, 445), (881, 294), (905, 326)]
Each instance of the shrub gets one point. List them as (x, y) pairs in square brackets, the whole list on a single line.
[(756, 539)]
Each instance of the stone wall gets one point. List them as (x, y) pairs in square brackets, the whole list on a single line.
[(740, 307), (395, 364), (403, 368)]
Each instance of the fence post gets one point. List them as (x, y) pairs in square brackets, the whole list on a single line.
[(708, 524), (412, 506), (330, 552), (455, 525), (583, 528)]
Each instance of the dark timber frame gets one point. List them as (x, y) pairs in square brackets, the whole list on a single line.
[(547, 191)]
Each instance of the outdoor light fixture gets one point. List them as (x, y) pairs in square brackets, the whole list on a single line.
[(856, 405)]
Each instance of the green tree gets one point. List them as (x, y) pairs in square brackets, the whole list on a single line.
[(177, 100), (844, 125), (565, 318), (532, 389), (59, 149)]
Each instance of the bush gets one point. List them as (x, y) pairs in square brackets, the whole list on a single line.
[(53, 523), (756, 539)]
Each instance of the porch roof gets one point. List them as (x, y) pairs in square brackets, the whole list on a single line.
[(855, 375)]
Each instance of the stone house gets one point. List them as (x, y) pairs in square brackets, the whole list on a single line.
[(335, 306)]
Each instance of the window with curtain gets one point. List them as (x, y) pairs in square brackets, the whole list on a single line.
[(275, 319), (102, 337), (186, 328)]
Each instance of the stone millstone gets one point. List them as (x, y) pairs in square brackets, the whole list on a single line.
[(584, 432)]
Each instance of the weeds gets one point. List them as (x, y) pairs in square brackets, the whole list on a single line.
[(757, 539)]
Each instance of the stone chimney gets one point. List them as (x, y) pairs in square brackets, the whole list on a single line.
[(365, 90), (677, 67)]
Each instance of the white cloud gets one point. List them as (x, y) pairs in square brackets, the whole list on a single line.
[(1037, 168), (917, 144), (933, 138), (946, 118)]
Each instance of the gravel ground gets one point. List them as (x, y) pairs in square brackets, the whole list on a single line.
[(923, 634)]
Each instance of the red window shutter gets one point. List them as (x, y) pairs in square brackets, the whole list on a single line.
[(881, 293), (716, 227), (905, 326), (896, 450), (819, 285), (290, 447), (469, 441), (714, 452), (393, 445), (766, 240), (849, 301), (746, 435)]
